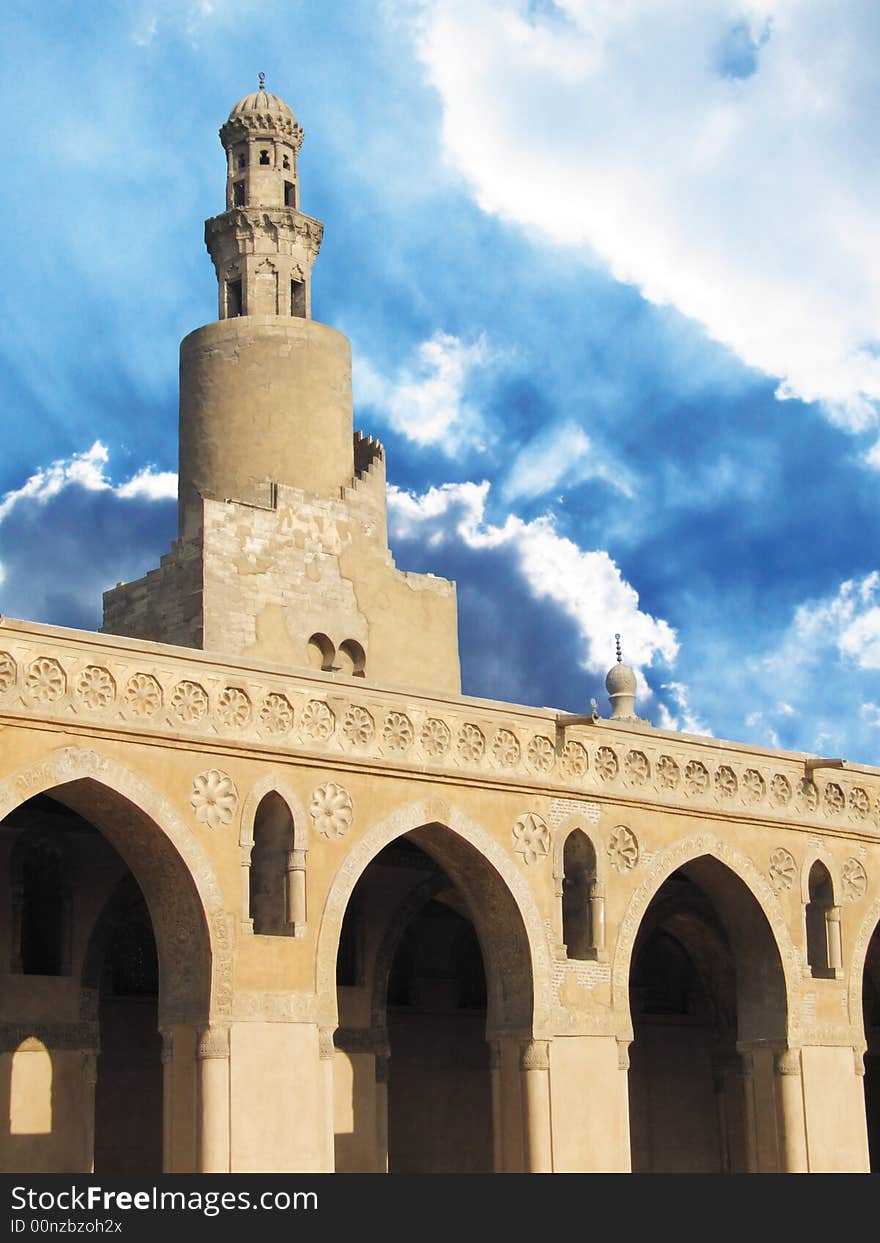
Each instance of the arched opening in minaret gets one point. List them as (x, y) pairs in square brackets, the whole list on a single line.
[(871, 1013), (706, 988), (419, 984)]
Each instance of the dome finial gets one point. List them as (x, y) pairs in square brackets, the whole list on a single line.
[(619, 653), (262, 78)]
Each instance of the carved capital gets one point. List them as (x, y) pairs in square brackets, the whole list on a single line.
[(326, 1047), (89, 1063), (383, 1066), (494, 1054), (213, 1042), (535, 1055), (623, 1055), (787, 1062), (859, 1061), (167, 1044)]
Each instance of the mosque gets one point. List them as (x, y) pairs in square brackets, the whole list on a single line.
[(280, 898)]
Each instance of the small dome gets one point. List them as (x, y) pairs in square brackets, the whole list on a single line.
[(620, 680), (258, 103)]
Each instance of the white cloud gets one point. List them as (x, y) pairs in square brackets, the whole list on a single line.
[(587, 586), (87, 471), (848, 621), (718, 154), (685, 719), (565, 456), (427, 402)]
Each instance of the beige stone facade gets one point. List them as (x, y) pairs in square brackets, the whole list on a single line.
[(280, 898)]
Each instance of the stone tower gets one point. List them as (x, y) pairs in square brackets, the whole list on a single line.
[(282, 551)]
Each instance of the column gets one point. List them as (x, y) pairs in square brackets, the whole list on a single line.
[(383, 1061), (497, 1117), (247, 923), (790, 1112), (89, 1082), (597, 916), (833, 939), (535, 1072), (296, 891), (167, 1098), (212, 1053), (327, 1053), (748, 1071)]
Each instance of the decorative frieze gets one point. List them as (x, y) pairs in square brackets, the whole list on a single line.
[(295, 711)]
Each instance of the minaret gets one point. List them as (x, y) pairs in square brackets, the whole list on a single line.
[(282, 552), (263, 247), (265, 393)]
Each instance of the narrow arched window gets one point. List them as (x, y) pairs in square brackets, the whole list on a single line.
[(271, 860), (820, 953), (579, 877), (352, 659), (321, 653)]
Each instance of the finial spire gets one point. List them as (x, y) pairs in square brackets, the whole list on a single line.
[(619, 653), (262, 78)]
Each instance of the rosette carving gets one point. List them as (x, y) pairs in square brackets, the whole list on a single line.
[(143, 695), (855, 880), (531, 837), (574, 759), (696, 777), (725, 782), (317, 720), (636, 767), (357, 726), (397, 732), (668, 773), (541, 753), (331, 810), (471, 744), (8, 672), (233, 707), (783, 869), (214, 798), (505, 748), (435, 737), (606, 764), (189, 701), (95, 687), (623, 849), (45, 681), (276, 713), (780, 790), (753, 786)]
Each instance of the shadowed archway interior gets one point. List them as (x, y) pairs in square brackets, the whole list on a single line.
[(706, 982)]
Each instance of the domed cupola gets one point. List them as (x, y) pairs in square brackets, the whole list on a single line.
[(263, 246), (620, 684)]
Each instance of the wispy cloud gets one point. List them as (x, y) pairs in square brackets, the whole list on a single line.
[(718, 156), (586, 586), (427, 401)]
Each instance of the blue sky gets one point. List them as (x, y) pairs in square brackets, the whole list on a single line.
[(610, 272)]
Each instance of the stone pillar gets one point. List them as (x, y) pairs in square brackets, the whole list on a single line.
[(497, 1116), (535, 1071), (212, 1053), (296, 891), (383, 1060), (833, 939), (790, 1112), (167, 1099), (597, 917), (247, 922), (327, 1054), (748, 1072), (89, 1082)]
